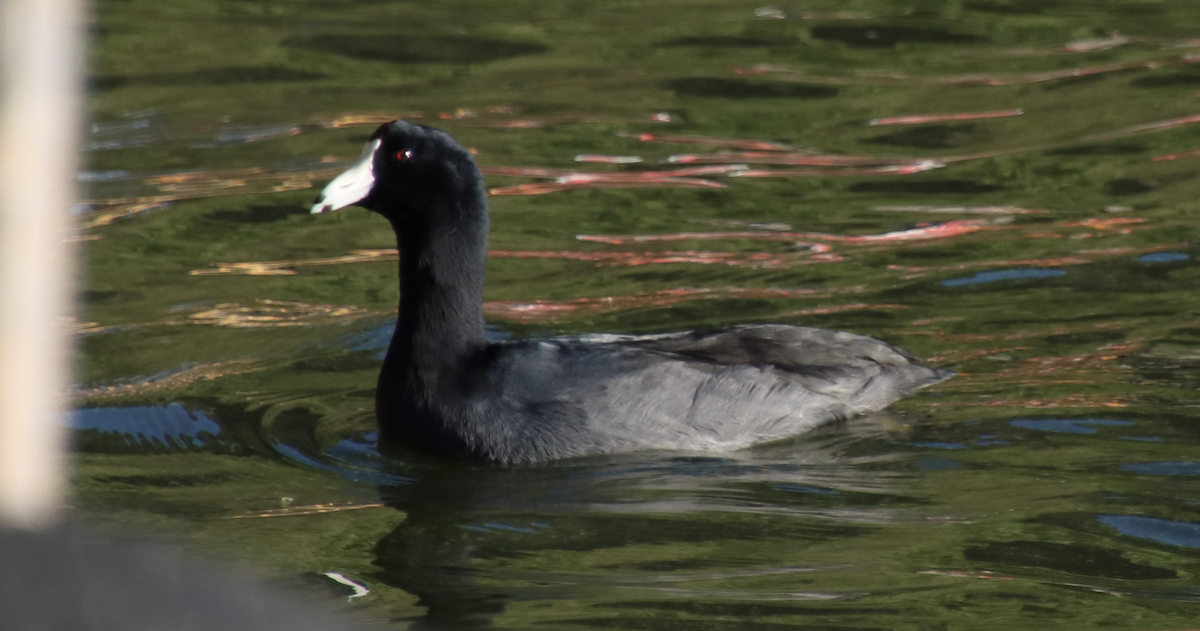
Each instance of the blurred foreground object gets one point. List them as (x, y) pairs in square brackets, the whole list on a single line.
[(63, 581), (55, 580), (40, 87)]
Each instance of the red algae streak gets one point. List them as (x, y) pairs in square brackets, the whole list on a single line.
[(964, 210), (857, 306), (541, 188), (1169, 123), (649, 176), (546, 310), (816, 253), (570, 180), (754, 260), (1075, 401), (538, 172), (1107, 223), (932, 231), (791, 158), (564, 176), (518, 124), (904, 169), (961, 338)]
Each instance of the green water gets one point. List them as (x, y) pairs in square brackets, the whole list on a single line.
[(1052, 483)]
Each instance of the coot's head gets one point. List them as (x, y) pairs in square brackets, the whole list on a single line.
[(405, 170)]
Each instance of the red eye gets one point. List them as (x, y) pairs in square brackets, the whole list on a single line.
[(403, 155)]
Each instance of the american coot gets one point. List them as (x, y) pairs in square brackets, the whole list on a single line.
[(447, 389)]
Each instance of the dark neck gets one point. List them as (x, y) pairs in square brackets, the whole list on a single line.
[(441, 289)]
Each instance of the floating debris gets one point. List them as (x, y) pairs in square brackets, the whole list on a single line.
[(775, 13), (172, 381), (1170, 123), (1096, 44), (198, 184), (1077, 401), (311, 509), (112, 145), (730, 143), (770, 13), (102, 176), (359, 589), (108, 213), (519, 124), (270, 313), (188, 177), (109, 128), (601, 159), (285, 268), (1109, 223), (458, 114), (230, 138), (757, 225), (857, 306), (1186, 43), (369, 118), (919, 119), (756, 260)]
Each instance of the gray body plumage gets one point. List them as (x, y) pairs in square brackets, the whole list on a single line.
[(716, 391)]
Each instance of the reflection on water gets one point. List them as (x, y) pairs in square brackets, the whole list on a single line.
[(467, 528), (1171, 533), (168, 426), (1007, 188), (1068, 426), (409, 48), (1004, 274), (1163, 257)]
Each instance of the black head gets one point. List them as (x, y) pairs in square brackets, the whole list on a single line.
[(405, 169)]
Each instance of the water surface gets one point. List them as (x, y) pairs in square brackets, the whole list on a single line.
[(1021, 212)]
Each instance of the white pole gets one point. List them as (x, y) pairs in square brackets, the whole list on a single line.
[(40, 87)]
